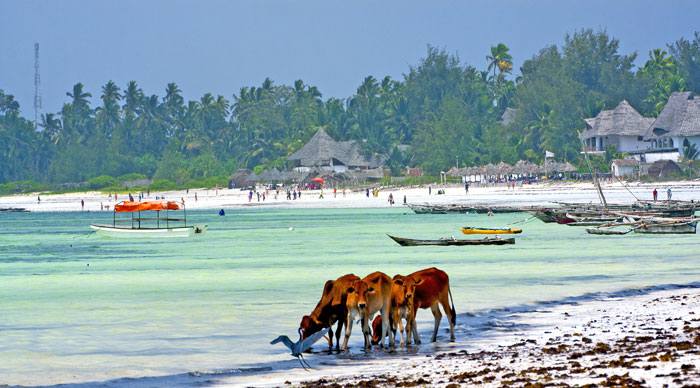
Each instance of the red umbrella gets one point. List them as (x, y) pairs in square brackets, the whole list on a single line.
[(317, 179)]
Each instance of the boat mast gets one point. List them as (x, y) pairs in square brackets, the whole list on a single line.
[(594, 173)]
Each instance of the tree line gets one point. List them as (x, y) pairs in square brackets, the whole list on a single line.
[(443, 112)]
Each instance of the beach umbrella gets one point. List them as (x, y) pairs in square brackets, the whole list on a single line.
[(317, 179)]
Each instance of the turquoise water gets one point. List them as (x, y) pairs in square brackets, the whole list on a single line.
[(75, 307)]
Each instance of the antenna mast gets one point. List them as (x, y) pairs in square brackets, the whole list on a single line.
[(37, 83)]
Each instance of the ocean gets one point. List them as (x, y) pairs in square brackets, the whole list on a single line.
[(77, 308)]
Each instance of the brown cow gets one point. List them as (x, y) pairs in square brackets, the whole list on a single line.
[(330, 309), (401, 304), (365, 298), (429, 287)]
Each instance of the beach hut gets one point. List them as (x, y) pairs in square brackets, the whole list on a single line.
[(238, 178), (663, 168)]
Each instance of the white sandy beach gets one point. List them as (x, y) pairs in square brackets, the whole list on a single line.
[(529, 194)]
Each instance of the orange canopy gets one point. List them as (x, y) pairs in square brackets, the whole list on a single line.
[(317, 179), (128, 206)]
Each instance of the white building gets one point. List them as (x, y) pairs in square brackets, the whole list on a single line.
[(678, 125), (622, 127)]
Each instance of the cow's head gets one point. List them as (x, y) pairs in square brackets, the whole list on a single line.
[(310, 325), (358, 295), (404, 289)]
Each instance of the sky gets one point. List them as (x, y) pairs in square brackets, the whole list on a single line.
[(221, 46)]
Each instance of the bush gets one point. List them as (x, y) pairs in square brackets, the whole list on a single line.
[(163, 185), (102, 181), (131, 177)]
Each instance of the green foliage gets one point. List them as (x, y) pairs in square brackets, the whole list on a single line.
[(26, 186), (102, 181), (134, 176), (163, 185), (443, 109)]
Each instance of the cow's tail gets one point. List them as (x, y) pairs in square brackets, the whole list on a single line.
[(454, 313)]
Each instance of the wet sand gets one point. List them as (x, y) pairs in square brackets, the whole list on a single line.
[(647, 340)]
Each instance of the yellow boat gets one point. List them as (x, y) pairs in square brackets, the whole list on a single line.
[(470, 230)]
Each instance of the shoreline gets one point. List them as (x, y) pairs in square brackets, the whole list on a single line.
[(645, 338), (524, 195)]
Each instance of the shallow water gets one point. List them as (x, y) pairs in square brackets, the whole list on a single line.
[(78, 308)]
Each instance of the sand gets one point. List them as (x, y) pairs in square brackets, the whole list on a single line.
[(499, 194)]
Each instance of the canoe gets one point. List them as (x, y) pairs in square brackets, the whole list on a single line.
[(683, 227), (604, 231), (409, 242), (471, 230)]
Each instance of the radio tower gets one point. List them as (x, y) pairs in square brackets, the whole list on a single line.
[(37, 83)]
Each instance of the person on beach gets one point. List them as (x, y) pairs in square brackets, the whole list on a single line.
[(321, 195), (466, 187), (38, 199), (655, 194), (343, 193), (334, 192), (668, 193), (430, 189), (195, 197), (367, 192), (404, 199), (131, 197), (250, 195), (82, 204), (294, 194), (148, 193), (221, 212), (102, 206), (391, 199)]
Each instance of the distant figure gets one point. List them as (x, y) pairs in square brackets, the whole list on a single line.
[(131, 197), (466, 187), (655, 193), (263, 195), (195, 197), (250, 195), (321, 195), (183, 200), (221, 212), (299, 195), (367, 192), (430, 190), (289, 195), (404, 199), (669, 193), (391, 199), (335, 191), (343, 193), (148, 192), (139, 197), (38, 199), (294, 194), (82, 204), (258, 194), (102, 206)]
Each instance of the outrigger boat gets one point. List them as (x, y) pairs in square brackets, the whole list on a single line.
[(148, 227), (409, 242), (471, 230)]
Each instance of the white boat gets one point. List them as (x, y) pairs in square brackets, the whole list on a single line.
[(148, 227), (127, 231)]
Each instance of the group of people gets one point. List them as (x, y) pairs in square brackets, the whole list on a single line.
[(669, 194)]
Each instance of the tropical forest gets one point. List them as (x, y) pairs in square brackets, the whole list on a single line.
[(440, 112)]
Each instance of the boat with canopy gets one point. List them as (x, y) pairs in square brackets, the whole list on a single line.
[(148, 226)]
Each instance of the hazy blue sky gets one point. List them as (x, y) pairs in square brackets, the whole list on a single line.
[(220, 46)]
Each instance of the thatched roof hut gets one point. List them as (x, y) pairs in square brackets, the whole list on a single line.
[(322, 151), (624, 120)]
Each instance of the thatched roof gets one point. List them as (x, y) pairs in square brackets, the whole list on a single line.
[(508, 117), (625, 162), (680, 117), (322, 148), (624, 120)]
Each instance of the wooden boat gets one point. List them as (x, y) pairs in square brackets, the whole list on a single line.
[(13, 210), (667, 227), (471, 230), (461, 209), (148, 227), (608, 231), (409, 242)]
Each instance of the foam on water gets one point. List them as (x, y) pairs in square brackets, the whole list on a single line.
[(208, 306)]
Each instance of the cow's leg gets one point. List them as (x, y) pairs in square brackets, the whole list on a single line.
[(338, 331), (414, 331), (348, 330), (386, 320), (438, 316), (444, 301), (367, 333), (401, 327), (330, 336)]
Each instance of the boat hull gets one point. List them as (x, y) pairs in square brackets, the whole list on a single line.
[(409, 242), (126, 232), (679, 228), (468, 230)]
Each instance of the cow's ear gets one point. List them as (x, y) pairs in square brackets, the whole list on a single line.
[(398, 281), (328, 287), (350, 290), (418, 281), (371, 289)]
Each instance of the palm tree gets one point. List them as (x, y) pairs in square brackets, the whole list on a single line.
[(80, 102), (500, 59)]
